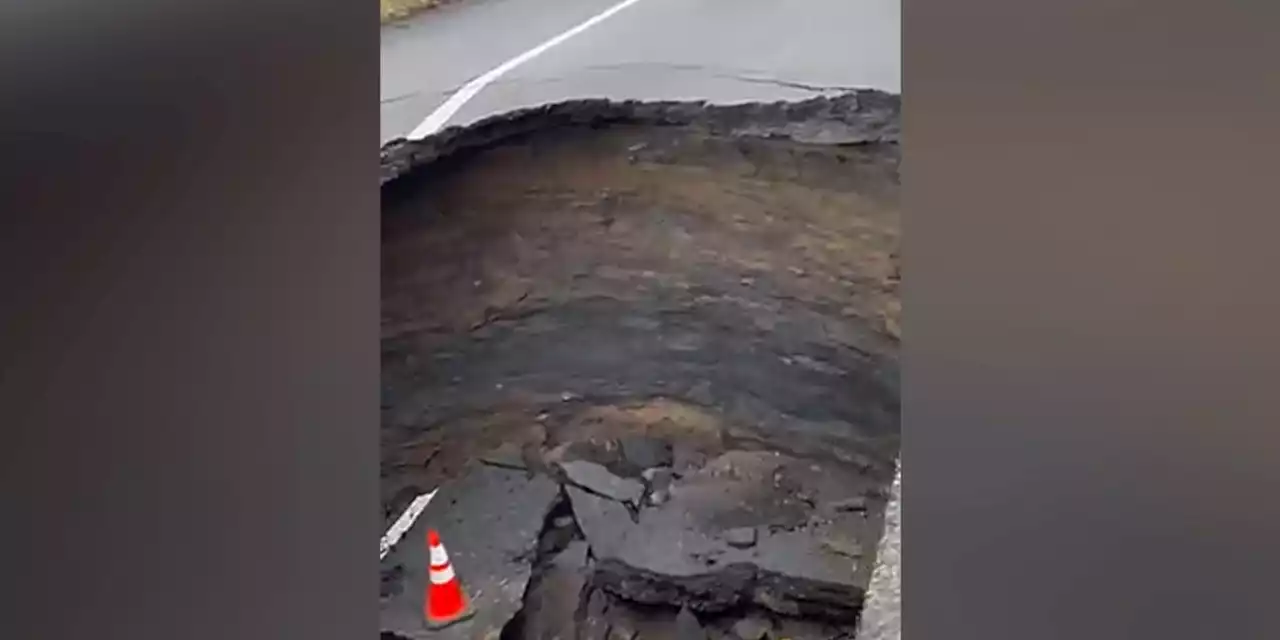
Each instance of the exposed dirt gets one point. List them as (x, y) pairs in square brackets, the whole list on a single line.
[(390, 11), (721, 285)]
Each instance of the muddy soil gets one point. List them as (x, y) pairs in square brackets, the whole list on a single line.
[(656, 289)]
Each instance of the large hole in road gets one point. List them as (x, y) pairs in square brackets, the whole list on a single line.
[(686, 316)]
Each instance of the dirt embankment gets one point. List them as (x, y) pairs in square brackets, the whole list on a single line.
[(686, 318), (393, 10)]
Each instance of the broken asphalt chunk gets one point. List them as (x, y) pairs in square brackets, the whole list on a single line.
[(680, 553), (619, 631), (604, 522), (597, 479), (490, 520), (751, 628), (659, 478), (741, 537), (688, 627), (710, 592)]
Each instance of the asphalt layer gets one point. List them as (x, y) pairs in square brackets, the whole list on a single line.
[(732, 546), (489, 521), (649, 354), (718, 50)]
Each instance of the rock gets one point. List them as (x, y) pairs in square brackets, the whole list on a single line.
[(659, 481), (619, 631), (659, 478), (657, 498), (856, 503), (490, 520), (644, 452), (688, 627), (597, 479), (751, 628), (741, 537), (842, 545)]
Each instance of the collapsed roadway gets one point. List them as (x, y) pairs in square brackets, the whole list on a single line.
[(649, 354)]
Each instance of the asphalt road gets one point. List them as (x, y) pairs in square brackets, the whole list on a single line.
[(723, 51)]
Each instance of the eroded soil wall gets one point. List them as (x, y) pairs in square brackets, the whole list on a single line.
[(722, 279)]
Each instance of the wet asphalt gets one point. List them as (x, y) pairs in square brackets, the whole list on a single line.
[(724, 51)]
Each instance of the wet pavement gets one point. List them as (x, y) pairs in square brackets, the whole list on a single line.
[(725, 52)]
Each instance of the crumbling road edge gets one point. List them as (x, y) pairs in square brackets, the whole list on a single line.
[(859, 117)]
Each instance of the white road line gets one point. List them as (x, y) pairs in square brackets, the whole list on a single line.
[(441, 115), (404, 523)]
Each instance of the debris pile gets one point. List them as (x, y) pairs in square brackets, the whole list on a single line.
[(750, 544)]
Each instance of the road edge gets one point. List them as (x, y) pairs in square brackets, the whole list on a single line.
[(882, 610), (859, 117)]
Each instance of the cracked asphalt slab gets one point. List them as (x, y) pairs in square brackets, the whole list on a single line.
[(716, 50), (654, 374), (490, 521)]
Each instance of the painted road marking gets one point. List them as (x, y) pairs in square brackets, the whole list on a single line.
[(441, 115), (404, 523)]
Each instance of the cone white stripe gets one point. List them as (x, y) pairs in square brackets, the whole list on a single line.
[(438, 556), (442, 576)]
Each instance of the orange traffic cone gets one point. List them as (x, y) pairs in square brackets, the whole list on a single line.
[(445, 603)]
